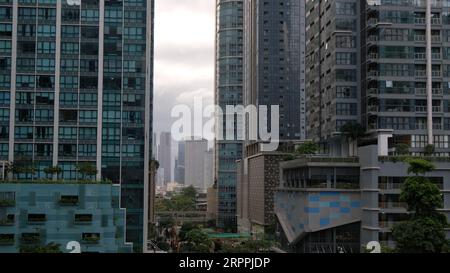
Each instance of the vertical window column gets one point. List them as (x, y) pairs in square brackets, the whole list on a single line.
[(12, 110), (101, 33)]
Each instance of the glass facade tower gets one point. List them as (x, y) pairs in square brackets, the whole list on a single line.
[(274, 61), (76, 86), (228, 91)]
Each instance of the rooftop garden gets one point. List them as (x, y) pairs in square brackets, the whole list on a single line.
[(26, 171)]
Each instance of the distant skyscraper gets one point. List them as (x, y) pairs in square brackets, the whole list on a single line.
[(228, 91), (208, 170), (76, 86), (154, 146), (165, 155), (180, 163), (194, 159), (274, 67)]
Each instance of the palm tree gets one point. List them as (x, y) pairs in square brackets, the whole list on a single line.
[(353, 132)]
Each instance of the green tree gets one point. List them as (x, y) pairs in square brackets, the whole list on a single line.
[(197, 241), (250, 246), (189, 192), (185, 228), (49, 248), (53, 170), (86, 169), (429, 150), (402, 149), (307, 148), (353, 132), (22, 166), (424, 230)]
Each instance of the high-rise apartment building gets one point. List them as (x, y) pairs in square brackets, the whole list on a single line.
[(76, 86), (406, 70), (165, 155), (274, 70), (228, 91), (383, 64), (332, 66)]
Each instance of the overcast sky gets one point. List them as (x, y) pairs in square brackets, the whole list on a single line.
[(184, 56)]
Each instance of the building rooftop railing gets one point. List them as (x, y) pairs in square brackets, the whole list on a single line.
[(403, 158)]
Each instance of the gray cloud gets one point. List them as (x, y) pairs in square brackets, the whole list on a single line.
[(184, 56)]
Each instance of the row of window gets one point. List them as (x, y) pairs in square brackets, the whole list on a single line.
[(72, 150)]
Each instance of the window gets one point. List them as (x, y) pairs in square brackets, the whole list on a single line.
[(44, 115), (5, 98), (88, 116), (23, 132), (87, 150), (346, 109), (68, 99), (67, 133), (46, 30), (88, 99), (46, 47), (69, 48), (88, 133)]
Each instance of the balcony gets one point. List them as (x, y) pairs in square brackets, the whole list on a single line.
[(372, 21), (372, 38), (30, 238), (393, 205), (420, 91), (437, 91), (436, 21), (372, 91), (419, 38), (6, 239), (91, 238), (436, 73), (8, 220), (372, 108), (421, 109), (387, 224), (372, 55), (437, 109), (420, 56), (6, 202), (436, 39), (390, 186), (81, 219), (421, 126), (420, 73), (420, 21), (68, 200), (436, 56), (437, 126), (373, 73), (36, 218)]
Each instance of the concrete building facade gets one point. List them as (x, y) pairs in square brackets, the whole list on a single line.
[(36, 214)]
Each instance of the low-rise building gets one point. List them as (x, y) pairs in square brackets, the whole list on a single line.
[(257, 177), (36, 214), (339, 204)]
